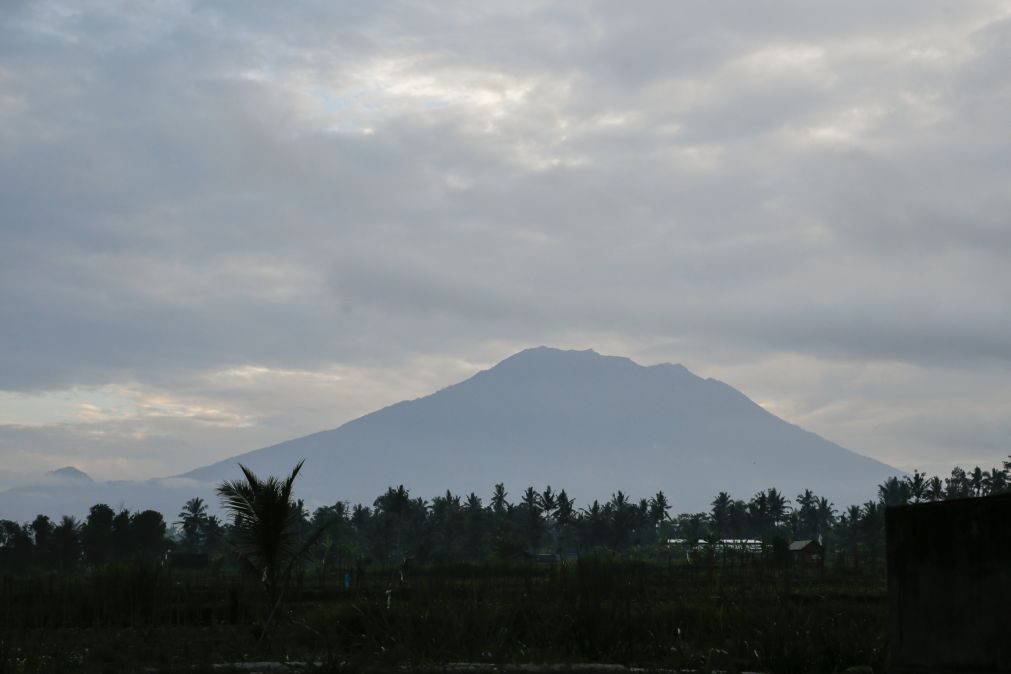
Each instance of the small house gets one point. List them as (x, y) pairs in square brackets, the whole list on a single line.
[(807, 553)]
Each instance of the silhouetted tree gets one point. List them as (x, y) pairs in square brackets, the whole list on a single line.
[(446, 524), (265, 527), (16, 546), (976, 481), (475, 522), (96, 535), (957, 486), (720, 513), (397, 521), (659, 508), (935, 489), (147, 535), (548, 501), (738, 519), (622, 521), (593, 527), (66, 544), (995, 481), (531, 522), (122, 542), (192, 520), (807, 515), (42, 533), (872, 529), (850, 532), (916, 486), (825, 516), (893, 492), (758, 514), (779, 506), (565, 517), (498, 499)]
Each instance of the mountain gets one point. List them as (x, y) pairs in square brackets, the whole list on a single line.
[(70, 475), (592, 424), (577, 420)]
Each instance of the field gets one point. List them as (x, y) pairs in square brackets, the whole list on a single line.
[(591, 610)]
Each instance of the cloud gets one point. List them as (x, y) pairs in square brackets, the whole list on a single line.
[(262, 220)]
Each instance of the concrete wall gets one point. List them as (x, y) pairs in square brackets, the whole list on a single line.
[(949, 586)]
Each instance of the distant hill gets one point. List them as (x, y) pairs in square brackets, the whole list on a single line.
[(592, 424), (72, 493), (69, 474)]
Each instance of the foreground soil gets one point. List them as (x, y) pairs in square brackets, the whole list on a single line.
[(591, 611)]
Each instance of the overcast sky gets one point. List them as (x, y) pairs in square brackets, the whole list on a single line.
[(223, 225)]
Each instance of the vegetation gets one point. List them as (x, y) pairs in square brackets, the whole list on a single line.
[(595, 609), (455, 579), (452, 528), (267, 531)]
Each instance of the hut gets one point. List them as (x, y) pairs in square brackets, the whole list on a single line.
[(809, 552)]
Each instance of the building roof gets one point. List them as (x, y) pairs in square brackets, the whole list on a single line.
[(797, 546)]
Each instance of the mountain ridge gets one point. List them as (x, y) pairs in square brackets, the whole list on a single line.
[(551, 409), (578, 420)]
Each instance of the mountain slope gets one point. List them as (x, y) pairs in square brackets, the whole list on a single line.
[(70, 475), (575, 419)]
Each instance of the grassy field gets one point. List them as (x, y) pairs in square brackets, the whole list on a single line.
[(654, 615)]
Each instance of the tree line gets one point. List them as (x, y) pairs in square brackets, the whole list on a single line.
[(451, 527)]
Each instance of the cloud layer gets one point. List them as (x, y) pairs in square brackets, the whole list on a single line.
[(226, 225)]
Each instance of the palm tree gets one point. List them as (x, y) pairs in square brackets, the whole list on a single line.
[(825, 515), (893, 491), (565, 517), (42, 531), (935, 489), (659, 507), (737, 519), (807, 515), (849, 528), (721, 513), (444, 524), (594, 525), (564, 512), (498, 499), (191, 519), (532, 523), (622, 520), (266, 523), (994, 481), (394, 515), (549, 501), (642, 526), (976, 481), (916, 486), (474, 523), (758, 513), (778, 506), (872, 529), (957, 486)]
